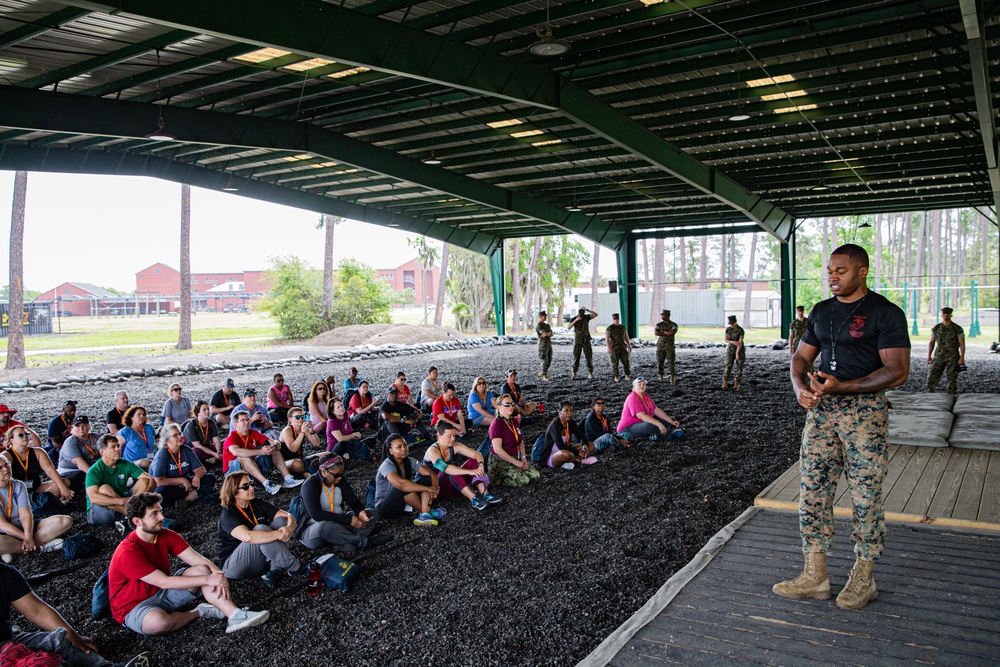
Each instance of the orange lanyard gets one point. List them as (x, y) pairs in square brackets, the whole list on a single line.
[(9, 505), (517, 436), (566, 434), (603, 421), (180, 468), (63, 419), (246, 440), (204, 433), (331, 496), (251, 518), (142, 434), (645, 405), (25, 462), (90, 449)]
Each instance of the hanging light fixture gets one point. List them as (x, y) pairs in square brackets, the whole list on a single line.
[(547, 46), (575, 206), (230, 186), (432, 159), (821, 186), (864, 225), (739, 115), (160, 133)]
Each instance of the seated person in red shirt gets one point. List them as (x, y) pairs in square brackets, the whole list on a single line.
[(7, 422), (147, 597), (255, 453), (448, 409)]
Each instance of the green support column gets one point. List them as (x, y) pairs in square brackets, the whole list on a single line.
[(499, 288), (628, 296), (787, 284)]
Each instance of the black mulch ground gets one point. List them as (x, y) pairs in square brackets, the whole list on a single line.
[(541, 580)]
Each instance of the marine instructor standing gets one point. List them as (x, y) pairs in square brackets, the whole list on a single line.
[(864, 349)]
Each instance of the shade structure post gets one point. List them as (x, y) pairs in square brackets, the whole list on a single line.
[(628, 297), (787, 285), (499, 289)]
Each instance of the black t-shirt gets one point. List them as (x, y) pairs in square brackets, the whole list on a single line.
[(262, 511), (114, 418), (219, 400), (13, 586), (398, 409), (192, 431), (595, 428), (865, 327), (515, 393)]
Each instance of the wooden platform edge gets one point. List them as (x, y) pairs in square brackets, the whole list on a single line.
[(890, 516), (616, 641)]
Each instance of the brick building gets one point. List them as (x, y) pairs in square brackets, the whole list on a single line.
[(79, 299), (233, 290), (407, 276)]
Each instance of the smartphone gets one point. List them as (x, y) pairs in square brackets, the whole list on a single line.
[(308, 417)]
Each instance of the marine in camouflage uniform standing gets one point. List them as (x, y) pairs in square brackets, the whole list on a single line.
[(665, 331), (544, 332), (864, 349), (619, 347), (581, 340), (734, 352), (949, 339), (796, 329)]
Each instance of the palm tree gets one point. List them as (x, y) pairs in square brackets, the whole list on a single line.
[(184, 334), (426, 256), (15, 307)]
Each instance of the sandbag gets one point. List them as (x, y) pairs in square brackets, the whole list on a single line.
[(977, 404), (976, 432), (918, 401), (920, 429)]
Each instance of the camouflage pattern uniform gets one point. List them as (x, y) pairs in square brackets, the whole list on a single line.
[(735, 332), (618, 342), (795, 331), (665, 347), (581, 342), (855, 426), (502, 473), (946, 355), (544, 346)]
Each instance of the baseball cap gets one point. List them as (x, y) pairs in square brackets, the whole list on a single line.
[(512, 371), (69, 403), (82, 419), (8, 410), (230, 384), (947, 311), (393, 389)]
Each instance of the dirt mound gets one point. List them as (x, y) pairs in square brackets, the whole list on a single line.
[(385, 334)]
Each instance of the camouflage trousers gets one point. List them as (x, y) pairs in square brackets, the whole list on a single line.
[(730, 358), (943, 362), (666, 353), (620, 355), (795, 344), (504, 474), (545, 354), (583, 346), (844, 432)]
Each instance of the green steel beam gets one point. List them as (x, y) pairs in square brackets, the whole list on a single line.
[(628, 285), (59, 112), (351, 37), (787, 284), (498, 282), (984, 95), (706, 230), (28, 158), (106, 60), (40, 25)]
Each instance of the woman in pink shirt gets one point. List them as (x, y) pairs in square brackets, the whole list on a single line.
[(279, 400), (641, 418)]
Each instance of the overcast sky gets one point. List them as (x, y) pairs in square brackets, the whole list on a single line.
[(104, 229)]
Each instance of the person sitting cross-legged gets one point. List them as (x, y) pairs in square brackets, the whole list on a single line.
[(55, 635), (28, 464), (335, 516), (597, 428), (77, 454), (641, 418), (137, 437), (468, 478), (110, 481), (255, 453), (564, 443), (396, 487), (362, 408), (147, 597), (448, 408), (293, 437), (180, 477), (202, 434), (253, 534), (19, 533)]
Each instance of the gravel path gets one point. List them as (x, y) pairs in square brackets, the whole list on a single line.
[(540, 581)]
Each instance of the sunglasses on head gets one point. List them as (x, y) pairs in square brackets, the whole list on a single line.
[(245, 486)]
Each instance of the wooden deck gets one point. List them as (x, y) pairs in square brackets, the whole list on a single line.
[(943, 486)]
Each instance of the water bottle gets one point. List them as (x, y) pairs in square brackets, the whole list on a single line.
[(313, 582)]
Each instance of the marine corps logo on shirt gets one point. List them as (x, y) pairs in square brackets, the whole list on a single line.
[(857, 325)]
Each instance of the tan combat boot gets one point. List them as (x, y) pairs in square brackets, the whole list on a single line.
[(673, 378), (617, 379), (628, 378), (736, 385), (860, 588), (812, 583), (545, 377), (541, 374), (661, 377), (725, 384), (590, 375)]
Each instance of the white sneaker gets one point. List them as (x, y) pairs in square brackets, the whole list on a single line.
[(207, 610), (7, 558), (244, 618), (52, 545), (272, 488), (290, 482), (568, 465)]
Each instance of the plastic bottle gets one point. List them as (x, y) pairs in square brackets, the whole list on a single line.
[(313, 582)]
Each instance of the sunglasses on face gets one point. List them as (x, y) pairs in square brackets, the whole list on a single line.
[(245, 486), (20, 435), (599, 403), (336, 477), (298, 417), (506, 405)]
